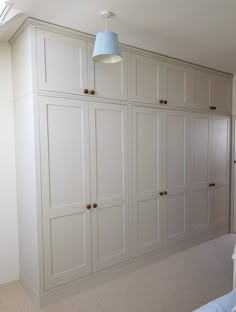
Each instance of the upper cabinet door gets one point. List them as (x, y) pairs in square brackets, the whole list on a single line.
[(62, 63), (109, 184), (176, 85), (64, 137), (222, 93), (201, 90), (108, 80), (146, 79)]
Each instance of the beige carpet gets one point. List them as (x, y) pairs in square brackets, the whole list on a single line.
[(179, 283)]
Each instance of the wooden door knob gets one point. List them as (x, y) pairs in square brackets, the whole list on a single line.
[(165, 102), (165, 193), (213, 107), (94, 205), (85, 91), (161, 101), (92, 92), (88, 206), (161, 193)]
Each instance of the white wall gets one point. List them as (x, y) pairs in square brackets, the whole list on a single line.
[(9, 259), (233, 176), (234, 96)]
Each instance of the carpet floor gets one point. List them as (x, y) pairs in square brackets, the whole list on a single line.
[(178, 283)]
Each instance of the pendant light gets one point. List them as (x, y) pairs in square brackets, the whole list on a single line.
[(106, 48)]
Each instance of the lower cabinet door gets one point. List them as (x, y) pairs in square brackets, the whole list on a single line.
[(65, 167), (146, 179), (175, 199), (220, 171), (200, 156), (109, 184)]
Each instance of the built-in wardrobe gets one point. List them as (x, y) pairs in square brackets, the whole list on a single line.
[(113, 161)]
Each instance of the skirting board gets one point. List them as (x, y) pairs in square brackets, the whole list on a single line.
[(33, 294), (98, 278)]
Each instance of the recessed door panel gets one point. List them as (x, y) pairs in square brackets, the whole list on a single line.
[(176, 210), (176, 158), (176, 81), (67, 256), (146, 79), (221, 205), (200, 147), (66, 155), (62, 63), (201, 96), (223, 93), (65, 190), (147, 173), (109, 184), (199, 209), (220, 149), (147, 142), (110, 229), (148, 222), (109, 154)]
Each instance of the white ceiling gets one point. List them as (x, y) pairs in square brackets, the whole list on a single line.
[(198, 31)]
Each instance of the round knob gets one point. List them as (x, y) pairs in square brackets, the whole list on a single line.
[(88, 206), (94, 205), (92, 92), (165, 102), (165, 193), (85, 91), (161, 101), (161, 193)]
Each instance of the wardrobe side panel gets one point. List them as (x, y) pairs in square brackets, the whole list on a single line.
[(26, 191), (23, 63)]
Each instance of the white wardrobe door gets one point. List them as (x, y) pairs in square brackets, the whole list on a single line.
[(65, 189), (174, 177), (220, 169), (146, 172), (222, 93), (176, 85), (109, 184), (201, 194), (62, 63), (108, 80), (201, 90), (146, 78)]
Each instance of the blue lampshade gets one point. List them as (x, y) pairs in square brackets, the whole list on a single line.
[(106, 48)]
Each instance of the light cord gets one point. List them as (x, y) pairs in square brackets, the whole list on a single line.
[(106, 23)]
